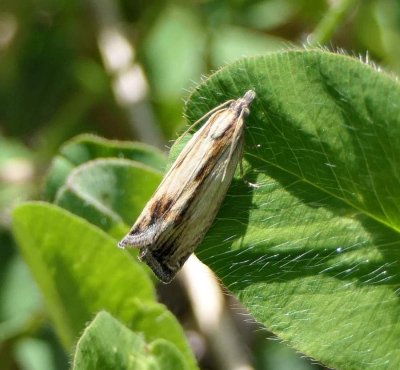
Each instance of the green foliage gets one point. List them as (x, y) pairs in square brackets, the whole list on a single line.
[(313, 247), (98, 191), (81, 271), (107, 344), (86, 147), (307, 239), (78, 267)]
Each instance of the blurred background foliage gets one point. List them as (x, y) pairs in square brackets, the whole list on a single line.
[(122, 70)]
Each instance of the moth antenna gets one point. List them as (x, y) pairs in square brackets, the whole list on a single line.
[(178, 140), (237, 128)]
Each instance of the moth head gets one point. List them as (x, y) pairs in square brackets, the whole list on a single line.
[(241, 105)]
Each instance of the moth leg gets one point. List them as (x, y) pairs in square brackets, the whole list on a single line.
[(160, 269)]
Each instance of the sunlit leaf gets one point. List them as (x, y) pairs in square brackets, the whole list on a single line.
[(86, 147), (308, 238), (110, 193), (107, 344), (81, 271)]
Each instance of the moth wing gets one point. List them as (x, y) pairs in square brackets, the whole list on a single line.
[(144, 238)]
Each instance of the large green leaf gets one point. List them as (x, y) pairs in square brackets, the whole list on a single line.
[(84, 148), (107, 344), (81, 271), (308, 238)]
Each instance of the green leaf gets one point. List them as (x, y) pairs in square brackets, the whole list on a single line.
[(107, 344), (110, 193), (65, 253), (86, 147), (308, 238), (81, 271)]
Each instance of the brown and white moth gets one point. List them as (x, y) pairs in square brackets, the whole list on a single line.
[(176, 218)]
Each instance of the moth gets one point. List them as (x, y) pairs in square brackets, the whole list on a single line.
[(182, 209)]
